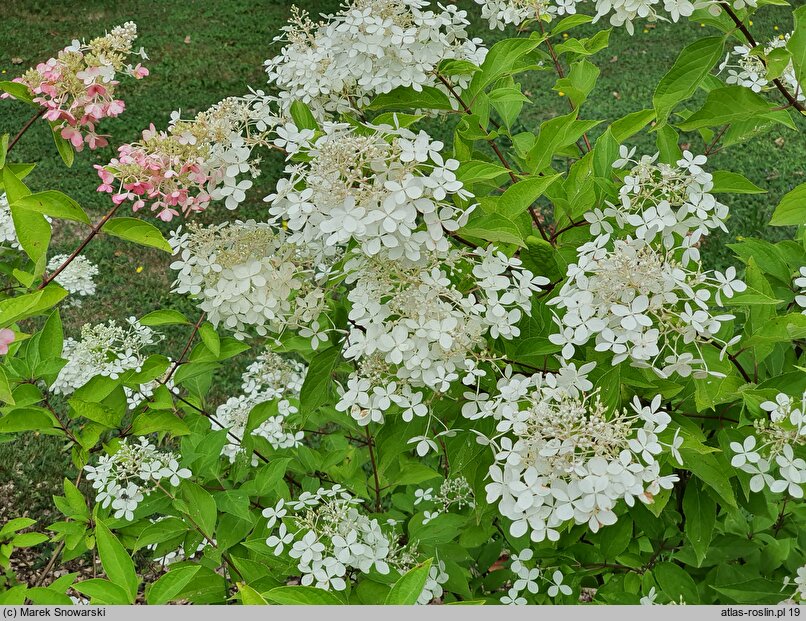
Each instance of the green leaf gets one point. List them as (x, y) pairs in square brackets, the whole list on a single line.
[(711, 471), (791, 211), (25, 419), (51, 339), (767, 256), (102, 414), (733, 183), (692, 65), (474, 171), (405, 97), (751, 297), (63, 146), (54, 204), (163, 318), (137, 231), (210, 338), (6, 395), (731, 104), (579, 82), (117, 563), (302, 596), (700, 511), (408, 589), (302, 115), (17, 91), (29, 304), (493, 227), (519, 197), (631, 124), (14, 525), (250, 597), (159, 422), (315, 388), (676, 583), (3, 149), (502, 59), (15, 189), (103, 591), (797, 45), (33, 233), (200, 506), (170, 585)]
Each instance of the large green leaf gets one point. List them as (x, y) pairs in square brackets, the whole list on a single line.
[(54, 204), (302, 596), (700, 512), (137, 231), (408, 589), (792, 208), (691, 66), (117, 563)]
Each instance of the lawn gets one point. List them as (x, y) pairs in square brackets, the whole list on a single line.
[(204, 50)]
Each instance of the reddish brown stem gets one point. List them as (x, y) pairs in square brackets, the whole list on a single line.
[(93, 232)]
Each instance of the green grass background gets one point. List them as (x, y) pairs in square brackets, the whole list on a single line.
[(203, 50)]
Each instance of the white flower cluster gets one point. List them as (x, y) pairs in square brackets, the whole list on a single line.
[(561, 456), (8, 234), (413, 328), (748, 68), (135, 470), (672, 202), (453, 493), (367, 48), (78, 276), (529, 575), (500, 13), (269, 378), (104, 349), (247, 275), (328, 536), (800, 283), (800, 586), (779, 443), (388, 189), (437, 576), (646, 298)]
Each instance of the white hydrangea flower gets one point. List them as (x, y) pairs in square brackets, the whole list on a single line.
[(78, 276), (367, 48), (561, 457), (411, 328), (800, 283), (246, 275), (374, 187), (105, 349), (327, 533), (126, 477), (270, 378), (747, 68), (774, 454), (8, 234)]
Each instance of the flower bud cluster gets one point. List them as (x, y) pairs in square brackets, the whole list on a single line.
[(270, 378), (367, 48), (197, 160), (748, 68), (106, 349), (126, 477), (78, 87), (775, 453), (453, 493), (561, 456), (247, 275), (388, 189), (638, 289), (413, 328)]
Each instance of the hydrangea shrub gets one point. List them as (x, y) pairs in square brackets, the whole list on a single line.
[(489, 363)]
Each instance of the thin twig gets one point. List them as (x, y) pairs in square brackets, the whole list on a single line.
[(370, 445)]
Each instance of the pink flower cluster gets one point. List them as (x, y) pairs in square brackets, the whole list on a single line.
[(195, 161), (168, 178), (77, 88)]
